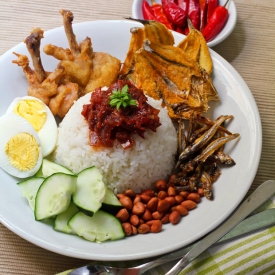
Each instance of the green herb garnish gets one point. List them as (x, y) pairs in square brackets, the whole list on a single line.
[(122, 98)]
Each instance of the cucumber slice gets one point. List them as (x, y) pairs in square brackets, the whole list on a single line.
[(100, 227), (111, 203), (29, 188), (54, 195), (90, 190), (61, 220), (48, 168)]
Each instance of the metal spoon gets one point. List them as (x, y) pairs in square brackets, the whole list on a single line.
[(258, 197)]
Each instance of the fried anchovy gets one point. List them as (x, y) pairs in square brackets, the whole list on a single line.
[(222, 158), (214, 172), (202, 140), (207, 185), (181, 136), (194, 180), (196, 133), (207, 121), (213, 146), (191, 126)]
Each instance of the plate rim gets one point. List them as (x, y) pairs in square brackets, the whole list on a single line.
[(60, 250)]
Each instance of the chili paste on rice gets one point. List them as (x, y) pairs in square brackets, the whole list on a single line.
[(107, 123)]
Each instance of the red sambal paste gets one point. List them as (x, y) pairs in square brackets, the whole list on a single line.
[(107, 124)]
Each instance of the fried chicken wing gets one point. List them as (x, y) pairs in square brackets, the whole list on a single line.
[(66, 95), (46, 85), (42, 85), (105, 71), (77, 61)]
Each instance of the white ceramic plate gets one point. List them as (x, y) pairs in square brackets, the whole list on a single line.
[(226, 31), (236, 99)]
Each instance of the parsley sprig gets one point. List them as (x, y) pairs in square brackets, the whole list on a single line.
[(122, 98)]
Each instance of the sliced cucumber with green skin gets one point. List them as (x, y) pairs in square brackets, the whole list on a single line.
[(101, 227), (111, 204), (54, 195), (90, 191), (61, 220), (29, 188), (49, 167)]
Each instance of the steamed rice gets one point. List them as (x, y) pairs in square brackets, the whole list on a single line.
[(150, 159)]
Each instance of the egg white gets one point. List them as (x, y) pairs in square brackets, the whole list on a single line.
[(48, 133), (11, 125)]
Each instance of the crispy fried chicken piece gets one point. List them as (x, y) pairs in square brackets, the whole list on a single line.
[(77, 61), (105, 71), (44, 85), (63, 101)]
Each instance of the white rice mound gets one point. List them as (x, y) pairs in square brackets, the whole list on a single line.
[(138, 167)]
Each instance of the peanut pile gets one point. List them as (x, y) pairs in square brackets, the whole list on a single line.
[(148, 210)]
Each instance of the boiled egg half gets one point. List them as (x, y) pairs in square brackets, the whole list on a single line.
[(20, 148), (38, 114)]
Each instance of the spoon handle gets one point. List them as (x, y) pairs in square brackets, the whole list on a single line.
[(258, 197)]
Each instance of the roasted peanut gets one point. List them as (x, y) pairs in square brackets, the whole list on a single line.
[(126, 202), (184, 194), (157, 215), (163, 205), (123, 215), (174, 217), (145, 198), (171, 191), (138, 208), (189, 205), (147, 216), (136, 199), (181, 209), (148, 192), (162, 194), (143, 228), (141, 221), (150, 222), (172, 179), (156, 226), (160, 185), (120, 195), (134, 230), (179, 199), (201, 192), (127, 227), (171, 200), (194, 197), (165, 218), (130, 193), (152, 204), (134, 220)]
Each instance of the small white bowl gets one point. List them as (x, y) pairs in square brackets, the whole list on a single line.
[(228, 28)]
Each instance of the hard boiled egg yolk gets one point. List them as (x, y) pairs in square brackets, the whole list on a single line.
[(33, 111), (22, 151)]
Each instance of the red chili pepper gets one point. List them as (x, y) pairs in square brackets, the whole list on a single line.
[(216, 22), (160, 15), (194, 13), (183, 4), (174, 13), (203, 14), (165, 2), (212, 4), (148, 13)]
